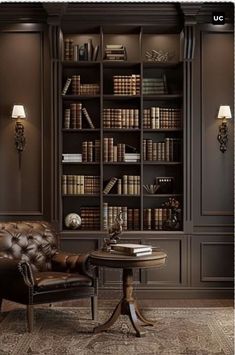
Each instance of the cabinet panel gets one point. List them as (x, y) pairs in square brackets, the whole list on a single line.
[(174, 272), (212, 261)]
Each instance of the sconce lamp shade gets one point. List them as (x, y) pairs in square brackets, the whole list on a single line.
[(224, 112), (18, 111)]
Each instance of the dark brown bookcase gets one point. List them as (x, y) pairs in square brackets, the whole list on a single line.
[(163, 134)]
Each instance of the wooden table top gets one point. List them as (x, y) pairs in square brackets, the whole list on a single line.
[(108, 259)]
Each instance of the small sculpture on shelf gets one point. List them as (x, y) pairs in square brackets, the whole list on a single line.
[(114, 232), (159, 56), (174, 220), (151, 188), (73, 221)]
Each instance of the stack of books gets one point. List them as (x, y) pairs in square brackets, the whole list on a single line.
[(162, 117), (154, 86), (128, 185), (83, 52), (131, 216), (168, 150), (77, 88), (126, 84), (120, 118), (131, 249), (131, 157), (90, 218), (71, 158), (80, 184), (115, 52)]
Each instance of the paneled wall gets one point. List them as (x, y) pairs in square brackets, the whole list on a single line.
[(200, 260)]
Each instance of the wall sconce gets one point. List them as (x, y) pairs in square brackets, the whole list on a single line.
[(18, 112), (224, 114)]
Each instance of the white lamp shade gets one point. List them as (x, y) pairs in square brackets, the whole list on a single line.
[(224, 112), (18, 111)]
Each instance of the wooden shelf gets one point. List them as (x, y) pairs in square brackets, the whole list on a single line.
[(162, 162), (162, 130), (162, 97), (72, 64), (120, 97), (75, 130), (79, 97), (122, 130), (121, 163), (119, 64), (80, 195), (80, 163), (116, 195), (162, 195), (162, 65)]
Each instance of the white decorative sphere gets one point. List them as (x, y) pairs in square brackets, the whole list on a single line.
[(73, 221)]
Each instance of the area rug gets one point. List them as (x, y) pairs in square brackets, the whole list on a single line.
[(69, 331)]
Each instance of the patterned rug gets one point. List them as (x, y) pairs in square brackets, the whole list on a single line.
[(68, 331)]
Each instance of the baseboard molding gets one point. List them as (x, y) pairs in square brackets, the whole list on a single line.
[(171, 293)]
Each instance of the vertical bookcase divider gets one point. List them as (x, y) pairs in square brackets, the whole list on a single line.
[(101, 130), (141, 133)]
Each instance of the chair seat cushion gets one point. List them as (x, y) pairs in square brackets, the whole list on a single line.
[(50, 280)]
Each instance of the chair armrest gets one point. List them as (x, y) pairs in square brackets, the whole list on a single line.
[(16, 271), (69, 262)]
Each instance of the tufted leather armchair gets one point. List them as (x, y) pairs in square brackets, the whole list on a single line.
[(33, 271)]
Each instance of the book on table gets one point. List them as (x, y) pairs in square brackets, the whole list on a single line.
[(132, 249)]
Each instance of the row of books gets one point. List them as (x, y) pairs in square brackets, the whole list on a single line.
[(73, 117), (127, 185), (162, 117), (154, 218), (154, 86), (80, 184), (168, 150), (77, 88), (131, 216), (80, 52), (131, 249), (126, 84), (115, 52), (91, 151), (90, 217), (117, 153), (120, 118)]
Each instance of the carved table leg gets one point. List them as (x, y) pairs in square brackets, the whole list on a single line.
[(111, 320), (141, 317), (127, 306)]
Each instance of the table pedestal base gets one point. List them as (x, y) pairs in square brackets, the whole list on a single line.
[(127, 306)]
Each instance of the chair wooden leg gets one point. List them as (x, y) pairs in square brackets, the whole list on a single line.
[(30, 317), (94, 307)]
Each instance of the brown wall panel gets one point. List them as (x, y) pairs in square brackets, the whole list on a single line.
[(21, 82), (212, 260), (212, 169)]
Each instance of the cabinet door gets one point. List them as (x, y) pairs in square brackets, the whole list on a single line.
[(212, 261)]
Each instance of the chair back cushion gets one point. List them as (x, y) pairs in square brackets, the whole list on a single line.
[(35, 242)]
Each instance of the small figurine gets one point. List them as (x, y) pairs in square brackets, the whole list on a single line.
[(174, 220), (114, 232)]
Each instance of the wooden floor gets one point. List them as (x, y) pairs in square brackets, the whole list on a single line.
[(7, 306)]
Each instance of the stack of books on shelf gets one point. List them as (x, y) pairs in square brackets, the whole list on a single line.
[(131, 216), (115, 52), (131, 249), (168, 150), (80, 184), (159, 117), (72, 158), (155, 86), (127, 185), (91, 151), (77, 88), (73, 117), (126, 84), (132, 157), (83, 52), (154, 218), (120, 118), (90, 217)]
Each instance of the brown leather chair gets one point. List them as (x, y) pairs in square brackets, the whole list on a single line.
[(33, 271)]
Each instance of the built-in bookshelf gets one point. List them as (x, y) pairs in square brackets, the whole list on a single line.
[(121, 128)]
